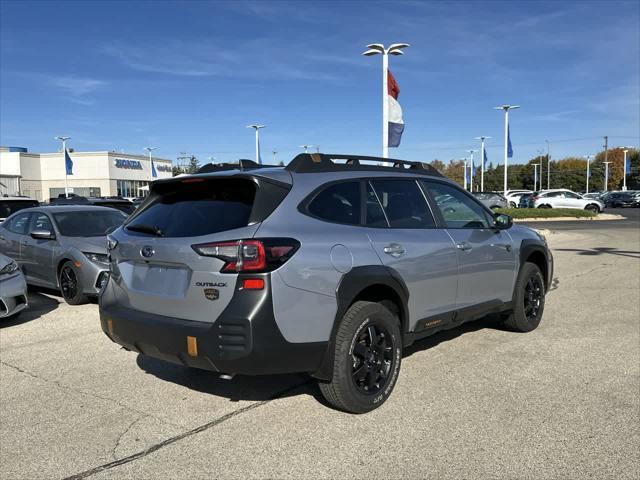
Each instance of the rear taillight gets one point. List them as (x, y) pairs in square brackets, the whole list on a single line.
[(256, 256)]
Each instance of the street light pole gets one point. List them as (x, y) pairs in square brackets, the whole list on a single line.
[(306, 148), (535, 175), (64, 161), (257, 129), (506, 109), (465, 172), (274, 156), (606, 176), (482, 139), (379, 49)]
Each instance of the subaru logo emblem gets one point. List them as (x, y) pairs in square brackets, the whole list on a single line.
[(147, 252)]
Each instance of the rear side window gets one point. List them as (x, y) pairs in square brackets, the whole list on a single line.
[(19, 223), (403, 203), (338, 203), (199, 208)]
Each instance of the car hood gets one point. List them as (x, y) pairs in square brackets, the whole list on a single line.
[(87, 244)]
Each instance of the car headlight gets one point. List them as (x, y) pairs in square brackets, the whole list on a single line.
[(9, 268), (97, 257)]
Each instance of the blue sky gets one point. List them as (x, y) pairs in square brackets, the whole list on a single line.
[(189, 76)]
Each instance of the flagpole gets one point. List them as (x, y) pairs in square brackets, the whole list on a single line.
[(64, 161), (624, 177), (482, 156), (379, 49), (471, 172), (506, 109), (588, 161), (535, 175), (465, 174), (385, 105)]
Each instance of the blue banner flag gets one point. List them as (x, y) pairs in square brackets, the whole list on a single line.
[(509, 147), (68, 163), (466, 174), (627, 167), (484, 160), (154, 174)]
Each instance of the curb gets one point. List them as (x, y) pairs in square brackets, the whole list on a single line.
[(602, 216)]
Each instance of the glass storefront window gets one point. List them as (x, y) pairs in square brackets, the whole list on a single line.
[(130, 188)]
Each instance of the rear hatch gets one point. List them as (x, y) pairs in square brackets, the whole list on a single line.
[(155, 267)]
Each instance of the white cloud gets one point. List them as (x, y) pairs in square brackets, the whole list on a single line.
[(77, 86)]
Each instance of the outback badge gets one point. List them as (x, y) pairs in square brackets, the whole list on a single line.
[(211, 293)]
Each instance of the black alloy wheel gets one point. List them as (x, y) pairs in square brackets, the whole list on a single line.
[(533, 297), (70, 285), (372, 359)]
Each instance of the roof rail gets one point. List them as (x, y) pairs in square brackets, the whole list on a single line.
[(326, 162), (242, 165)]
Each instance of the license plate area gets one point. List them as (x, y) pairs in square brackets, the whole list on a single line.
[(154, 279)]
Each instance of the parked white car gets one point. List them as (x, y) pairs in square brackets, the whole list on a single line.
[(13, 288), (562, 198), (513, 197)]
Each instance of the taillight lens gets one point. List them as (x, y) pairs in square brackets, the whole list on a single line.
[(251, 255)]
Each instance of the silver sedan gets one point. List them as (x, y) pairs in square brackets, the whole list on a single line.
[(13, 288), (62, 247)]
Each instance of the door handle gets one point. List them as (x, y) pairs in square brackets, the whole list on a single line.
[(464, 246), (395, 250), (506, 246)]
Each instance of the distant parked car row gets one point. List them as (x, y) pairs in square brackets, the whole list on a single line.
[(561, 198)]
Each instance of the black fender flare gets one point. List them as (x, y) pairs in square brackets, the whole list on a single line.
[(351, 285), (527, 248)]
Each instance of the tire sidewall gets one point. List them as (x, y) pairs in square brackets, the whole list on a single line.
[(523, 323), (364, 402)]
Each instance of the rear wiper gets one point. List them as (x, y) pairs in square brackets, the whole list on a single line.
[(153, 230)]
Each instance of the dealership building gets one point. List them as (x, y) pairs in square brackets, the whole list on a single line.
[(95, 174)]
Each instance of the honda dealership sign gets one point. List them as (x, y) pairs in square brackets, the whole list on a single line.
[(128, 164)]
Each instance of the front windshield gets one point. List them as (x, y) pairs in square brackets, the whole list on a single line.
[(88, 224)]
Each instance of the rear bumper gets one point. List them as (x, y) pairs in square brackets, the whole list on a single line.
[(243, 340)]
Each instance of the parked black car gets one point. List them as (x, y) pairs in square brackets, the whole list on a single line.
[(112, 202), (622, 199)]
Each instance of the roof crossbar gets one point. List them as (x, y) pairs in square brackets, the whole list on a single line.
[(325, 162)]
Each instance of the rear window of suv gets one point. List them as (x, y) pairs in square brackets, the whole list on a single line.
[(9, 207), (198, 207)]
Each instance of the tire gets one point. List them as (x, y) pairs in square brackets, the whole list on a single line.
[(512, 205), (70, 287), (545, 206), (592, 208), (527, 309), (363, 381)]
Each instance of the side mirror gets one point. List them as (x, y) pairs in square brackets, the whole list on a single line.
[(503, 222), (43, 235)]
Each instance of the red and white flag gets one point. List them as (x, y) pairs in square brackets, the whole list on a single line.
[(396, 124)]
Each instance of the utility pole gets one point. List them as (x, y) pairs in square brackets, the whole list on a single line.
[(606, 148)]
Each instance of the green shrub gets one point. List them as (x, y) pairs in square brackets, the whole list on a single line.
[(546, 212)]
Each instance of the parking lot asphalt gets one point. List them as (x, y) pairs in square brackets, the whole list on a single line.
[(474, 402)]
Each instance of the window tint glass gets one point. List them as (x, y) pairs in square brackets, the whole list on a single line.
[(40, 221), (338, 203), (403, 203), (375, 215), (458, 210), (198, 208), (553, 195), (571, 195), (19, 223), (88, 224)]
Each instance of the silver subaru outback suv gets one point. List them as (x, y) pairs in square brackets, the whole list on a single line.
[(330, 265)]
